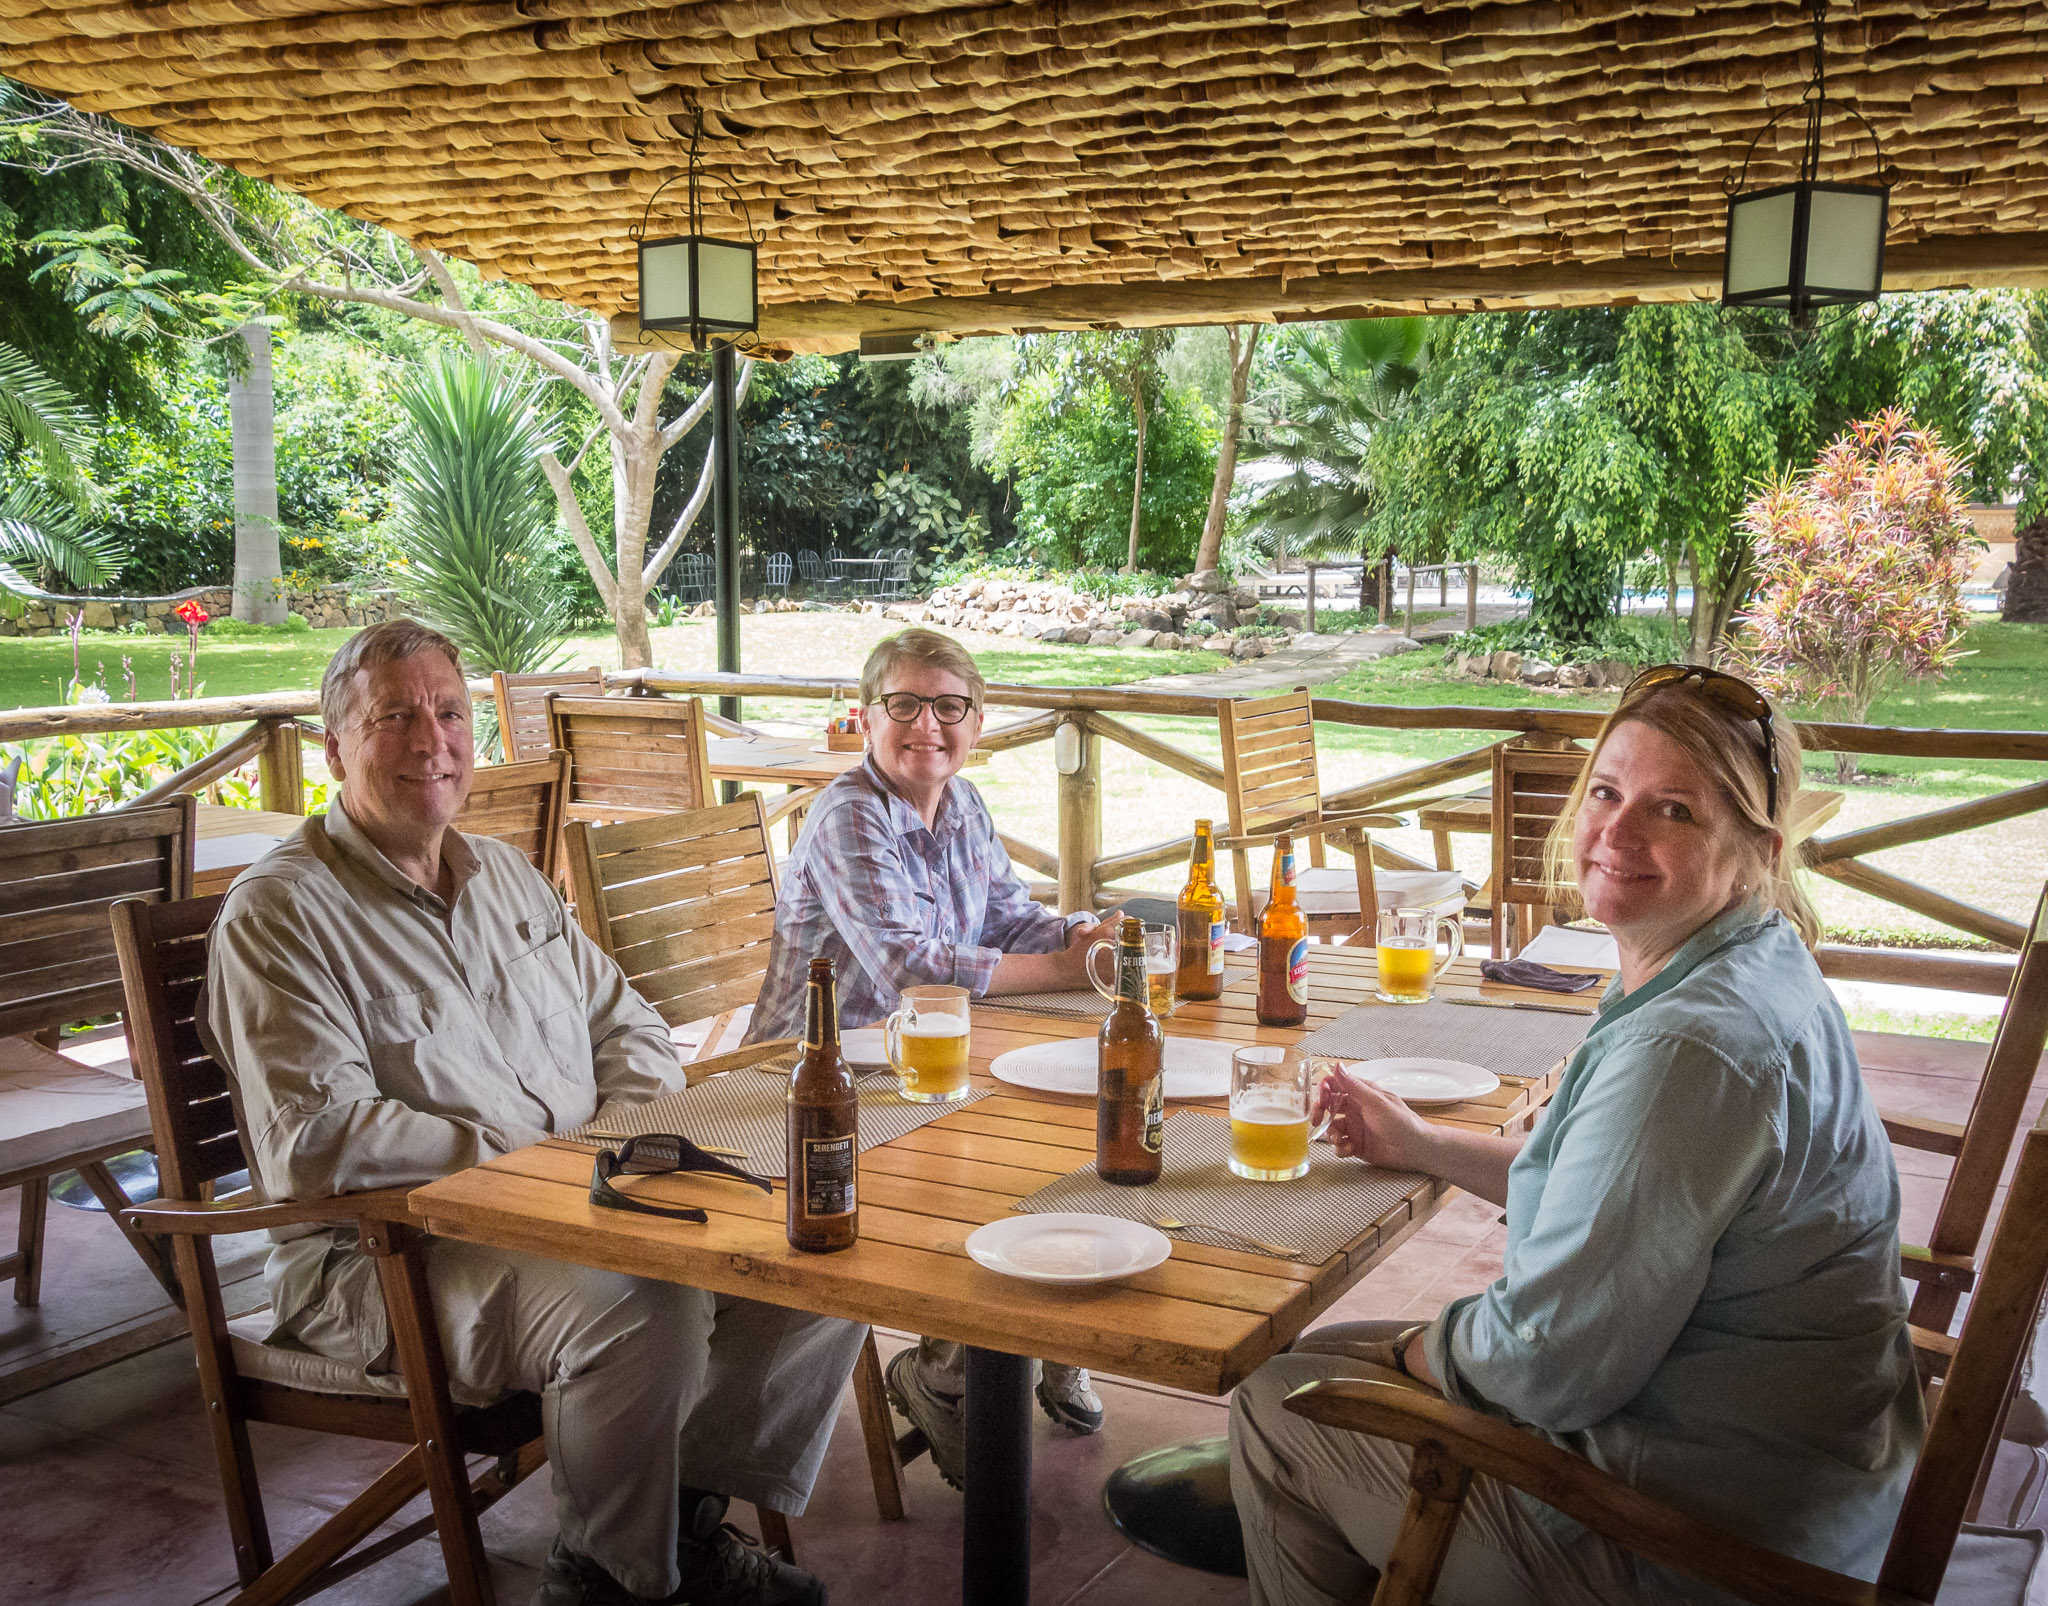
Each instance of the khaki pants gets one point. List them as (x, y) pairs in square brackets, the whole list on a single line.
[(645, 1386), (1321, 1506)]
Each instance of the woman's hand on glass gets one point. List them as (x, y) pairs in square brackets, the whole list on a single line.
[(1367, 1123)]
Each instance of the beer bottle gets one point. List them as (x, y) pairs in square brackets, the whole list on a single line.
[(824, 1129), (1130, 1072), (1201, 922), (1283, 946)]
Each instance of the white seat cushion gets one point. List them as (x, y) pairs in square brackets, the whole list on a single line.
[(1333, 890), (290, 1366), (52, 1108), (1990, 1566)]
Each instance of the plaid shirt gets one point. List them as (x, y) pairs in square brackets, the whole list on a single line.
[(894, 904)]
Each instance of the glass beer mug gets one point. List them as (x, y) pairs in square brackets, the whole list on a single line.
[(1407, 953), (1272, 1090), (926, 1041), (1162, 969)]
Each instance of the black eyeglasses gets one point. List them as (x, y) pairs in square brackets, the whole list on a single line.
[(947, 709), (649, 1155), (1732, 693)]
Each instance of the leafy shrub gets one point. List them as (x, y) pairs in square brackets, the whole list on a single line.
[(1638, 638), (228, 628)]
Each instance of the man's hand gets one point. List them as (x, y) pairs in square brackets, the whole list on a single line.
[(1074, 961)]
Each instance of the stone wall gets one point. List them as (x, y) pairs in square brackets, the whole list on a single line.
[(325, 608)]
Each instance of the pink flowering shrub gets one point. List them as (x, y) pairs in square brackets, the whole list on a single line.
[(1860, 563)]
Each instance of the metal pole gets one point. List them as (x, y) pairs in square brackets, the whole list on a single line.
[(996, 1547), (725, 517)]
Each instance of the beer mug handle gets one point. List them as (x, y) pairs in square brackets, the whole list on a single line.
[(1456, 928), (1102, 946), (1315, 1086), (892, 1042)]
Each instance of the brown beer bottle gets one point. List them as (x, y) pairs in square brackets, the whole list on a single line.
[(1130, 1072), (1283, 947), (1201, 923), (824, 1129)]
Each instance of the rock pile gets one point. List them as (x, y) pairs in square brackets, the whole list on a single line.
[(1532, 671), (1046, 610)]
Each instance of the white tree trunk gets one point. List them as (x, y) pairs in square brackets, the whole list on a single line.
[(252, 430)]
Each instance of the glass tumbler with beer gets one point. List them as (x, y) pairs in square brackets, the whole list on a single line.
[(1408, 963), (926, 1041), (1272, 1090), (1162, 968)]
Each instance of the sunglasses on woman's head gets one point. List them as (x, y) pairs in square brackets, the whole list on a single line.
[(652, 1154), (1731, 692), (905, 706)]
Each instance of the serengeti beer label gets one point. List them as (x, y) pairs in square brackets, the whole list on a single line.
[(1155, 1115), (1297, 971), (828, 1176)]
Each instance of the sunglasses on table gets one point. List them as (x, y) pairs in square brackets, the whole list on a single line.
[(1731, 692), (904, 707), (653, 1154)]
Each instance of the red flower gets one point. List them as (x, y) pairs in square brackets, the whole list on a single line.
[(192, 613)]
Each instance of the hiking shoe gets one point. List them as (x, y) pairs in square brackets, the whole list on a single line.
[(723, 1567), (568, 1579), (937, 1416), (1064, 1395)]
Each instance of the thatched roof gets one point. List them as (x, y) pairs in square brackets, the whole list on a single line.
[(1085, 161)]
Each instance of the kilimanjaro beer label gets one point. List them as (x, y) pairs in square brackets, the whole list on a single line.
[(1297, 971)]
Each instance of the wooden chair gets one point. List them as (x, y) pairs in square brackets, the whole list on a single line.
[(58, 879), (1451, 1443), (632, 757), (1530, 786), (521, 804), (192, 1103), (686, 905), (1271, 785), (523, 707)]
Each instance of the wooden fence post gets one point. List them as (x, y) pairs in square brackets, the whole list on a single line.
[(1080, 821), (1408, 620), (1472, 599), (280, 770)]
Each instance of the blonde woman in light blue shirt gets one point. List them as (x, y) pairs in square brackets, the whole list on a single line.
[(1700, 1290)]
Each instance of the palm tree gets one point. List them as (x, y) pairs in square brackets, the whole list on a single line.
[(41, 527), (1330, 395)]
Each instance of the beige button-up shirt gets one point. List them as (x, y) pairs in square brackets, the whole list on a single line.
[(379, 1036)]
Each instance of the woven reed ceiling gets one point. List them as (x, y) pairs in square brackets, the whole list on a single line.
[(1085, 161)]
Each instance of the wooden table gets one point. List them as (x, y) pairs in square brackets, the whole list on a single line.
[(235, 834), (1204, 1320)]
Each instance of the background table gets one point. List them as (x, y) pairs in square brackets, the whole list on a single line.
[(1204, 1320), (230, 840)]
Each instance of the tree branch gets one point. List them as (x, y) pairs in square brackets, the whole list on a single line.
[(579, 529), (686, 519), (451, 293)]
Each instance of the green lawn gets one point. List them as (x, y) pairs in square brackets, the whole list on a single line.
[(35, 670)]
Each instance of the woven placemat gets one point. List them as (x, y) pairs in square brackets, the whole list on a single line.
[(1079, 1005), (1315, 1215), (1520, 1042), (744, 1110)]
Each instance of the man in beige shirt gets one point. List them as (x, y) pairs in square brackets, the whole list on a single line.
[(397, 1001)]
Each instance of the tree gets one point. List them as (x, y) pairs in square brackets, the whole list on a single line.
[(1860, 567), (474, 521), (1244, 345), (252, 426), (40, 526), (286, 247), (1124, 361)]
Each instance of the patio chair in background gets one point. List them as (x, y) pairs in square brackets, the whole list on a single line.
[(631, 757), (896, 578), (523, 708), (693, 578), (163, 951), (1271, 784), (819, 582), (58, 881), (778, 574), (521, 804), (686, 905), (1934, 1552)]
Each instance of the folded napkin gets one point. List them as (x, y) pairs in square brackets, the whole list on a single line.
[(1527, 973)]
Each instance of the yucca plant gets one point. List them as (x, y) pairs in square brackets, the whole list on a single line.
[(474, 516)]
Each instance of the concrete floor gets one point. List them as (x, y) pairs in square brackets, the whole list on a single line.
[(111, 1499)]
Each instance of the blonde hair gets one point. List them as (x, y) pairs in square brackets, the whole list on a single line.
[(1728, 750), (919, 646), (391, 642)]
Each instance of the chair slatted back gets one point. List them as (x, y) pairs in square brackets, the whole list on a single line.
[(1530, 786), (58, 879), (1270, 778), (685, 903), (1995, 1116), (521, 804), (163, 952), (632, 757), (523, 707)]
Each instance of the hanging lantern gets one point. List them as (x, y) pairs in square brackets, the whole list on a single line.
[(694, 283), (1810, 243)]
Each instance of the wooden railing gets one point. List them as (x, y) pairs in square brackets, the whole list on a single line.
[(1086, 877)]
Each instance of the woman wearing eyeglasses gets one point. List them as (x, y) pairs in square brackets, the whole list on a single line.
[(1701, 1285), (900, 879)]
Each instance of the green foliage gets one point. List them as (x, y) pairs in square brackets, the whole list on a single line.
[(229, 628), (41, 530), (475, 517), (1637, 638)]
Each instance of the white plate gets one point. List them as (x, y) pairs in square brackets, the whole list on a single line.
[(1196, 1068), (863, 1046), (1424, 1081), (1064, 1246)]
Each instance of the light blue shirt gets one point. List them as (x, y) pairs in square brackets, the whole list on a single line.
[(1702, 1291)]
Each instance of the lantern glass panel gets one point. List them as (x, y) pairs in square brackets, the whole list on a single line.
[(664, 282), (1760, 242), (726, 291), (1845, 241)]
